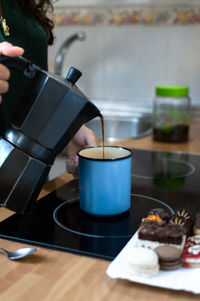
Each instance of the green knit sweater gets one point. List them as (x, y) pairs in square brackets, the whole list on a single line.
[(27, 33)]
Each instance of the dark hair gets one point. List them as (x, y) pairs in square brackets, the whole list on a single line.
[(39, 9)]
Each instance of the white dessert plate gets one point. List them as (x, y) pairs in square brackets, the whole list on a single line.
[(186, 279)]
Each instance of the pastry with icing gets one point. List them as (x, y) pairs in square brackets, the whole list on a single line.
[(152, 234), (163, 214), (183, 218), (191, 252), (159, 228)]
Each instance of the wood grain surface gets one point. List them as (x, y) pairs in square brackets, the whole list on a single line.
[(53, 275)]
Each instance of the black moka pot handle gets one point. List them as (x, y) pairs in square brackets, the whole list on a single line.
[(21, 64)]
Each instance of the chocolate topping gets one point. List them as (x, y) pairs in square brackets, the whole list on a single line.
[(162, 232), (152, 222), (164, 215)]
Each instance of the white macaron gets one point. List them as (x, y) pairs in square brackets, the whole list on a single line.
[(143, 261)]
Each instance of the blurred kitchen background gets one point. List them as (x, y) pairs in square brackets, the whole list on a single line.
[(125, 48)]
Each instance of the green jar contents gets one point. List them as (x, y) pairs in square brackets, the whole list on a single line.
[(171, 114)]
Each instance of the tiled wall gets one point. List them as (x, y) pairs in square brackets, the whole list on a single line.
[(131, 48)]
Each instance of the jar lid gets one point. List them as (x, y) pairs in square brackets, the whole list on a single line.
[(172, 91)]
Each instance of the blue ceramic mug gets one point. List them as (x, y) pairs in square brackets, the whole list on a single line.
[(105, 183)]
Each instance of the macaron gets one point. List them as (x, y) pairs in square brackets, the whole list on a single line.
[(169, 257), (143, 261)]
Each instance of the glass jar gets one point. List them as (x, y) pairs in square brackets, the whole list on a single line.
[(171, 114)]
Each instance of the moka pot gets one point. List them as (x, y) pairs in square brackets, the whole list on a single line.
[(49, 114)]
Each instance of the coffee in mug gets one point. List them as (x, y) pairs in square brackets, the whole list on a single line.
[(105, 180)]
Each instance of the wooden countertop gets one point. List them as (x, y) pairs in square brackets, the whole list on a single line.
[(54, 275)]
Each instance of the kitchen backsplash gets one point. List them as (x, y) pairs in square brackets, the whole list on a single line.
[(145, 14), (130, 48)]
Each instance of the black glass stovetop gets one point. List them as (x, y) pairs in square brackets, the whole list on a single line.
[(159, 179)]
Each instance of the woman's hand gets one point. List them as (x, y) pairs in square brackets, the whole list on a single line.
[(83, 138), (8, 50)]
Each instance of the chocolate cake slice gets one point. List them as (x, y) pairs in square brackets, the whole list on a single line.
[(152, 234)]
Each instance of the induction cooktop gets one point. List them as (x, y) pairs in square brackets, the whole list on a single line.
[(159, 179)]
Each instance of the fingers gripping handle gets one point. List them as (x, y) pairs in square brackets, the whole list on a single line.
[(21, 64)]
